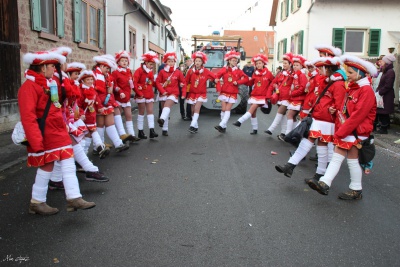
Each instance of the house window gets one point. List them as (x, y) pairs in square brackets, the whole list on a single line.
[(89, 24), (296, 44), (132, 42), (48, 16), (152, 25), (143, 3), (284, 9), (270, 51), (282, 48), (357, 41), (295, 5)]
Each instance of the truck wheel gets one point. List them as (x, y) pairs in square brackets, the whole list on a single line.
[(244, 94)]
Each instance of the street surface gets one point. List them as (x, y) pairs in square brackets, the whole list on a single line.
[(206, 199)]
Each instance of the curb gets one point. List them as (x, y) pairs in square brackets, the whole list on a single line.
[(11, 164)]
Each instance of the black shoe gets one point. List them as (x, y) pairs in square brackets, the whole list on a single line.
[(134, 138), (56, 185), (142, 135), (351, 195), (268, 132), (220, 129), (165, 133), (121, 148), (287, 169), (253, 132), (192, 130), (196, 129), (315, 178), (160, 122), (187, 119), (153, 133), (96, 177), (103, 151), (319, 186), (313, 158), (237, 124), (281, 137)]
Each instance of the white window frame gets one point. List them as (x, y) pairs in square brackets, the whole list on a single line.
[(364, 42)]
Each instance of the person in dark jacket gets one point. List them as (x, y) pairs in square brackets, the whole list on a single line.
[(386, 90), (248, 69)]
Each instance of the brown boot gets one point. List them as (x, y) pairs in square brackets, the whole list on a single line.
[(42, 209), (79, 203)]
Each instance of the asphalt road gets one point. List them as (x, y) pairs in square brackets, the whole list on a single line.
[(206, 199)]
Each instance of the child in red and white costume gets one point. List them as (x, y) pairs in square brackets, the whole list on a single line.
[(143, 80), (297, 91), (105, 101), (311, 89), (260, 82), (228, 80), (323, 124), (281, 86), (168, 81), (196, 84), (357, 113), (54, 143), (122, 92)]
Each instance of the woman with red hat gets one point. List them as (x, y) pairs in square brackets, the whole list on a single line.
[(311, 89), (144, 83), (355, 115), (260, 82), (281, 86), (122, 94), (105, 101), (196, 84), (48, 137), (168, 81), (228, 80), (323, 122)]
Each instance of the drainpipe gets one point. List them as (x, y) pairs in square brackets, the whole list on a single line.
[(125, 24)]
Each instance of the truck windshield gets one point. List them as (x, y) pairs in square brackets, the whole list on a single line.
[(215, 58)]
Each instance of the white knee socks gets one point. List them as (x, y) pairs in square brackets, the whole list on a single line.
[(82, 159), (39, 188), (195, 118), (56, 175), (88, 142), (140, 122), (96, 140), (245, 117), (165, 115), (150, 121), (113, 135), (277, 120), (302, 151), (355, 174), (322, 152), (331, 148), (289, 126), (333, 169), (222, 115), (224, 121), (119, 124), (70, 180), (101, 133), (129, 128), (284, 124), (165, 127), (254, 123)]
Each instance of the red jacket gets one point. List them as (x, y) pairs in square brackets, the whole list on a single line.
[(311, 88), (122, 76), (361, 106), (298, 89), (102, 82), (284, 81), (88, 103), (144, 80), (230, 75), (32, 102), (170, 81), (261, 81), (201, 76), (332, 98)]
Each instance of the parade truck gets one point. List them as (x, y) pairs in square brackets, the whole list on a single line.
[(215, 47)]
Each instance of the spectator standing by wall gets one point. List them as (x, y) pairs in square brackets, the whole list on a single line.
[(248, 69)]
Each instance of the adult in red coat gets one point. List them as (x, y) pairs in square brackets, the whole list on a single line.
[(260, 82), (311, 89), (123, 87), (356, 114), (323, 121), (228, 80), (168, 81), (196, 85), (144, 84), (48, 143)]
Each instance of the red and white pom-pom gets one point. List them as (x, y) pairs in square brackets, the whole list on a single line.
[(326, 61), (288, 57), (260, 57), (122, 54), (75, 66), (106, 60), (43, 57), (358, 63), (200, 55), (308, 63), (86, 73), (150, 57), (299, 58), (170, 55), (329, 50), (62, 50), (231, 54)]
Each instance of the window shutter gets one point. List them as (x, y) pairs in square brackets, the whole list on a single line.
[(287, 8), (374, 42), (298, 3), (292, 6), (101, 28), (300, 42), (60, 18), (281, 10), (338, 38), (35, 15), (279, 51), (284, 45), (292, 44), (77, 21)]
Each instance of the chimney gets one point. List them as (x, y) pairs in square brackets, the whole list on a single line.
[(254, 28)]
